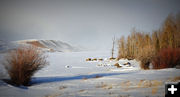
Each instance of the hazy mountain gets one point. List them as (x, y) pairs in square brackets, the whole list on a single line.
[(47, 45)]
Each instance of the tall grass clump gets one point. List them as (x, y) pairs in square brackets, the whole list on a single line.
[(22, 63)]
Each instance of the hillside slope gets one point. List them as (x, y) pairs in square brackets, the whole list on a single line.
[(47, 45)]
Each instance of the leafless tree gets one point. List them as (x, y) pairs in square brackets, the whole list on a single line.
[(113, 43)]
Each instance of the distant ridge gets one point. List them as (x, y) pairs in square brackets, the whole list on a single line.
[(47, 45)]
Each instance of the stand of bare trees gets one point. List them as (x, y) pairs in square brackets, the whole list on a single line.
[(147, 46)]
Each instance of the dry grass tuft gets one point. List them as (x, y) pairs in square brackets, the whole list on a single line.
[(98, 76), (88, 59), (101, 86), (175, 79), (82, 90), (62, 87), (126, 85), (100, 59), (95, 59), (117, 65)]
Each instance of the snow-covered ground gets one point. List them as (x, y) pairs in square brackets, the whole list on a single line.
[(69, 74)]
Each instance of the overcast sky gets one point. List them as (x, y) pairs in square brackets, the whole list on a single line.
[(89, 23)]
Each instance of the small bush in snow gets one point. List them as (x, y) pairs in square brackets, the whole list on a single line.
[(22, 63), (145, 62), (88, 59), (117, 65), (95, 59), (112, 58), (100, 59)]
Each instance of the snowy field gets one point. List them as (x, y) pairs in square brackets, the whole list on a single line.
[(70, 75)]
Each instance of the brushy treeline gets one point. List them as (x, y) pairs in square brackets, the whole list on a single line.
[(151, 47)]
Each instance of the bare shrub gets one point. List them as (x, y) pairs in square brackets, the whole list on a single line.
[(145, 56), (145, 62), (95, 59), (167, 58), (88, 59), (117, 65), (22, 63)]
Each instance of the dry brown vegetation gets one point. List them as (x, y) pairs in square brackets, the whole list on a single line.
[(88, 59), (98, 76), (62, 87), (149, 47), (153, 84), (22, 63), (167, 58), (175, 79), (100, 59), (105, 86), (95, 59), (117, 65)]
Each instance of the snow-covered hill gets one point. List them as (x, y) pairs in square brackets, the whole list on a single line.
[(48, 45), (6, 46)]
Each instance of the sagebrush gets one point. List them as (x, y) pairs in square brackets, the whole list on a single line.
[(23, 62)]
